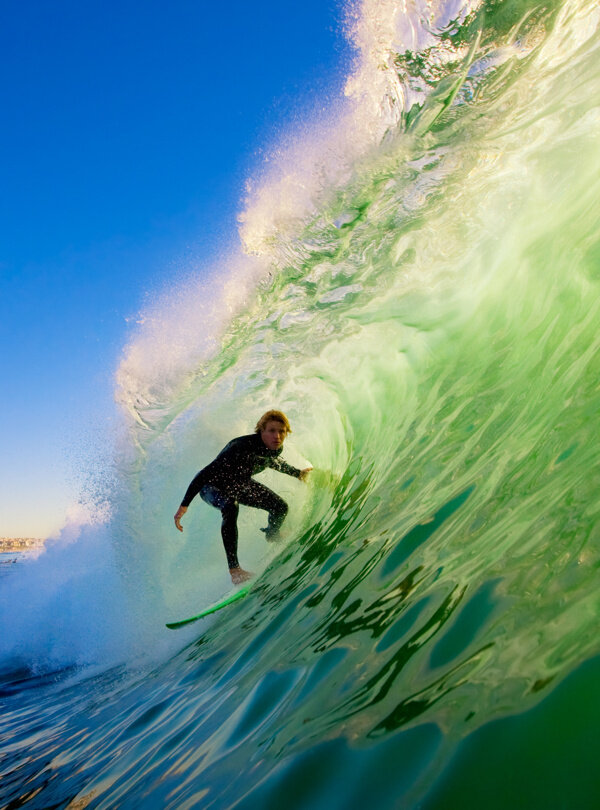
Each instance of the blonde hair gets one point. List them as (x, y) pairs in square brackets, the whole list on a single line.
[(272, 416)]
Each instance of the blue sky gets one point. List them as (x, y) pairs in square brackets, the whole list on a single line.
[(128, 130)]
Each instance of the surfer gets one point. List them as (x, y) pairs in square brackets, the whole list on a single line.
[(227, 482)]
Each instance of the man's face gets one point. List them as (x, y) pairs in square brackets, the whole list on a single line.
[(273, 434)]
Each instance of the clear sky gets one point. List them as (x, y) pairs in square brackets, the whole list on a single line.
[(128, 130)]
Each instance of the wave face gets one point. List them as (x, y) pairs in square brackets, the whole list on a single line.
[(423, 303)]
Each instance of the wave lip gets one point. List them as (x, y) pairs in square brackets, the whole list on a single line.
[(427, 316)]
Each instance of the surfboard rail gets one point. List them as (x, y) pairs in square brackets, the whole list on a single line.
[(228, 600)]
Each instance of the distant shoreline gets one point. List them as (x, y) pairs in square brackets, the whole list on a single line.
[(10, 544)]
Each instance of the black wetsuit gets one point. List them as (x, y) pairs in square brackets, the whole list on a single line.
[(227, 481)]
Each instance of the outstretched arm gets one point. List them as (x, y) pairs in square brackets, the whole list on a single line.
[(282, 466), (193, 489)]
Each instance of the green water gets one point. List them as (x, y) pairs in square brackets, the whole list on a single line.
[(428, 636)]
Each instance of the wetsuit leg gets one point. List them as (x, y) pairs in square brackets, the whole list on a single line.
[(251, 493), (229, 512)]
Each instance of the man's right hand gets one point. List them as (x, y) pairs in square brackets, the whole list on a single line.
[(178, 515)]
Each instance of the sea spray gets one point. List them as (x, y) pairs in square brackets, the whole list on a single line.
[(426, 316)]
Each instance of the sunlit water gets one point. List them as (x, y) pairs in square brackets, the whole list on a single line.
[(427, 635)]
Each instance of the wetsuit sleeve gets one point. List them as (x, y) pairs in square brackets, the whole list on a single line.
[(282, 466), (193, 489)]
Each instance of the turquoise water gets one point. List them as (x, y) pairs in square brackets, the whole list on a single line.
[(424, 306)]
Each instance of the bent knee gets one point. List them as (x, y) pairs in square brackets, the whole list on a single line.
[(281, 507), (230, 509)]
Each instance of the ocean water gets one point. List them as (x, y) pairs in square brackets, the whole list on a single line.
[(420, 291), (7, 559)]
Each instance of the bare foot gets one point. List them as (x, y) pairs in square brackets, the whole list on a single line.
[(238, 575), (272, 536)]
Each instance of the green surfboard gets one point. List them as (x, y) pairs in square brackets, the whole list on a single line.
[(228, 600)]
